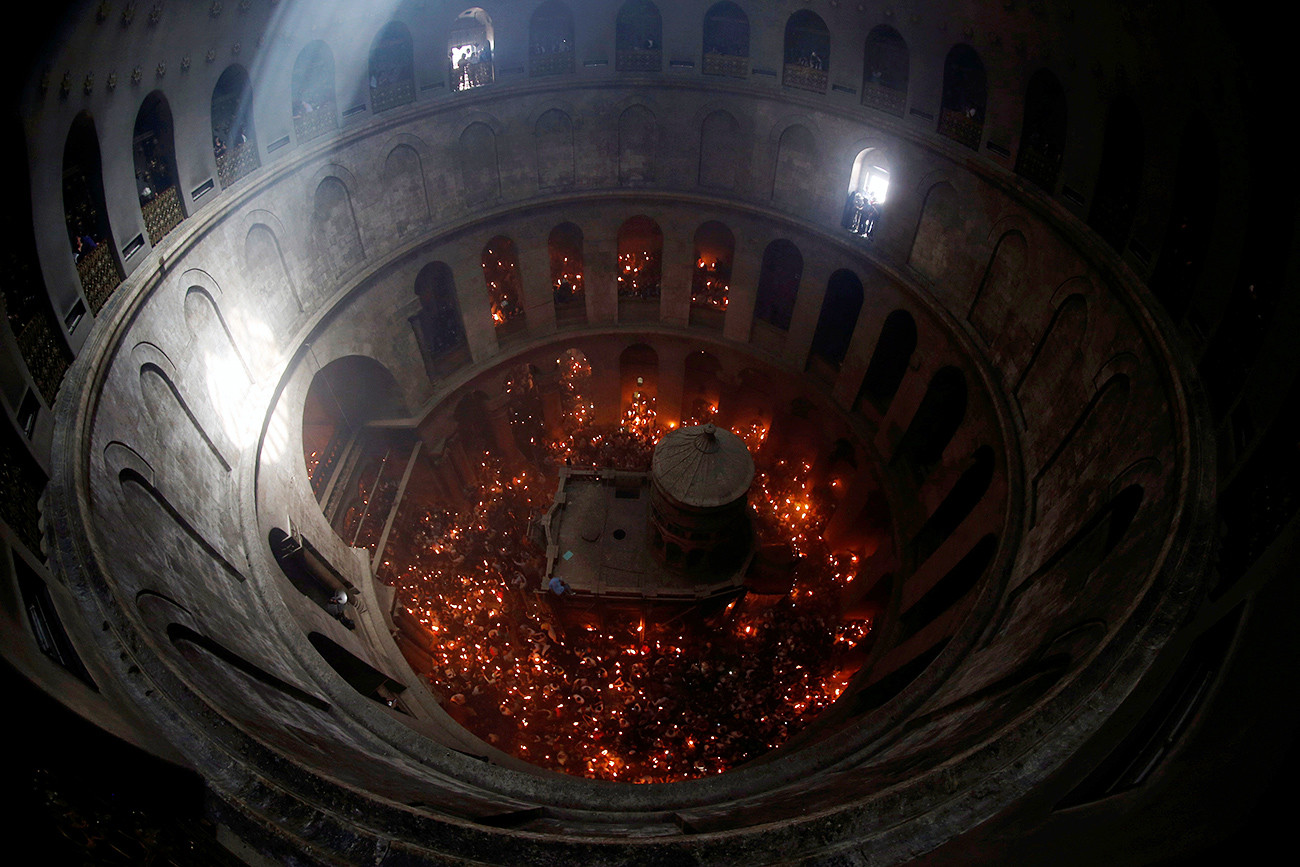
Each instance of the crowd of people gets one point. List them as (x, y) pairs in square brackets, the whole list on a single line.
[(640, 701)]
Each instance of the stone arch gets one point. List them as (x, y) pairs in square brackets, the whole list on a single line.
[(715, 250), (889, 362), (637, 143), (935, 422), (153, 149), (807, 49), (838, 318), (965, 94), (885, 68), (406, 198), (234, 139), (564, 249), (726, 41), (719, 149), (479, 171), (1043, 131), (439, 326), (335, 239), (86, 213), (794, 178), (391, 68), (638, 37), (550, 39), (553, 145), (1053, 384), (1001, 287), (938, 232), (500, 261), (778, 283), (314, 104)]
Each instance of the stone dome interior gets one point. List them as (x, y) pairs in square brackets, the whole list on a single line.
[(319, 303)]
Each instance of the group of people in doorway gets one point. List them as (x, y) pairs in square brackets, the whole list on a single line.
[(863, 211)]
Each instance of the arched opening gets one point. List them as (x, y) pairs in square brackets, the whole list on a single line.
[(638, 377), (315, 110), (959, 502), (868, 187), (154, 153), (553, 141), (778, 284), (469, 50), (936, 421), (343, 397), (889, 362), (726, 41), (701, 388), (640, 269), (1119, 177), (715, 247), (234, 141), (638, 37), (438, 327), (1042, 136), (885, 66), (950, 590), (807, 52), (564, 246), (719, 146), (86, 214), (965, 91), (1191, 219), (392, 68), (505, 290), (836, 324), (550, 40)]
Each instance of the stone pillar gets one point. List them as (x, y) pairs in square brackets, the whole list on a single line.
[(599, 266), (678, 268)]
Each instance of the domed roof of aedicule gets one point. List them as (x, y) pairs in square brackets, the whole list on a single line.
[(702, 466)]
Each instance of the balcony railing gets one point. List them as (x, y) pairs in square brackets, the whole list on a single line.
[(43, 351), (551, 63), (726, 64), (883, 98), (468, 76), (638, 60), (237, 162), (317, 122), (961, 127), (162, 213), (391, 94), (99, 276), (805, 78)]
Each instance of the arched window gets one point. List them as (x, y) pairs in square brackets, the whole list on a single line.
[(550, 40), (726, 41), (392, 68), (565, 248), (884, 71), (715, 248), (638, 374), (701, 388), (86, 214), (807, 52), (154, 153), (936, 421), (1191, 218), (234, 142), (1042, 137), (1120, 174), (889, 362), (961, 115), (839, 317), (315, 110), (950, 590), (960, 501), (469, 50), (505, 291), (640, 267), (638, 37), (343, 396), (778, 284), (438, 326), (868, 189)]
